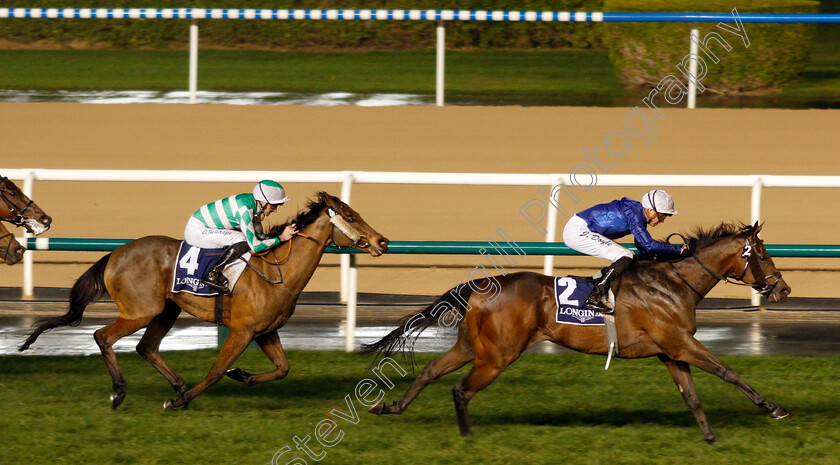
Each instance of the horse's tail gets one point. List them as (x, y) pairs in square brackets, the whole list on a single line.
[(401, 340), (87, 289)]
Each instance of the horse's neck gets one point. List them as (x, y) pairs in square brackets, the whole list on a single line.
[(715, 259), (306, 254)]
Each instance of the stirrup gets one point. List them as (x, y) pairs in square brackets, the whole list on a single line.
[(598, 305), (220, 283)]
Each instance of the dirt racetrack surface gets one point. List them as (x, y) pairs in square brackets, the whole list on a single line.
[(429, 139)]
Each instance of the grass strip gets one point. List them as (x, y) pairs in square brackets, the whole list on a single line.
[(543, 409)]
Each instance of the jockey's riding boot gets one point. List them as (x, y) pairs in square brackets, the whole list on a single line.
[(214, 277), (596, 300)]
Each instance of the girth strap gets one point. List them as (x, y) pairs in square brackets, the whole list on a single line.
[(220, 308)]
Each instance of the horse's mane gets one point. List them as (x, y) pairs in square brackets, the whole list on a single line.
[(700, 237), (305, 217)]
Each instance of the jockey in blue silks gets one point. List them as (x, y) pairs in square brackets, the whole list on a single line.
[(592, 231)]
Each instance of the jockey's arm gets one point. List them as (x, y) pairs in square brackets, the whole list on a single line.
[(249, 227), (643, 237)]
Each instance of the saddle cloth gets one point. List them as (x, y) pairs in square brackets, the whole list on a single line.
[(194, 262), (569, 293)]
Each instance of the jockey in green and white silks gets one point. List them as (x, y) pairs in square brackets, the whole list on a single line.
[(235, 223)]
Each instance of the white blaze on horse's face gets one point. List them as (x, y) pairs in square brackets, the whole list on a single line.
[(35, 227)]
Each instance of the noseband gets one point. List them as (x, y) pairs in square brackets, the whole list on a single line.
[(18, 219), (339, 222), (761, 285)]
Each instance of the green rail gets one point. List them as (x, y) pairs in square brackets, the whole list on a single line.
[(436, 247)]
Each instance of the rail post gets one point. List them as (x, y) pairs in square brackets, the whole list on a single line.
[(692, 68), (350, 320), (345, 260), (28, 259), (441, 44), (193, 61), (755, 216), (551, 229)]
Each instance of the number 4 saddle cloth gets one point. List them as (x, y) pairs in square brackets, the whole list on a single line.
[(570, 292), (193, 263)]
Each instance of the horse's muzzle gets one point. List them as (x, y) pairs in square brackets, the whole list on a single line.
[(779, 291), (379, 247)]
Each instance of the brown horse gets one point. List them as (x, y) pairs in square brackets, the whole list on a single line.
[(654, 313), (139, 275), (10, 248), (19, 210)]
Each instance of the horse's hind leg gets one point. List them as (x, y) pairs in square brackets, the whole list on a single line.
[(149, 346), (270, 345), (490, 361), (693, 352), (457, 357), (681, 372), (105, 338), (233, 347)]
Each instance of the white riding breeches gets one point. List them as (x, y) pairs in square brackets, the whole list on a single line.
[(577, 235), (198, 235)]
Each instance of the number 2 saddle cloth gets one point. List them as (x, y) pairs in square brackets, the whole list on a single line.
[(569, 293), (193, 263)]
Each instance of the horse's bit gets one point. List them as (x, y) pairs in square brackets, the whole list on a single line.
[(18, 219)]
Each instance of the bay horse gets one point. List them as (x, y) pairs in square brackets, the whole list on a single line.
[(139, 277), (655, 303), (19, 210)]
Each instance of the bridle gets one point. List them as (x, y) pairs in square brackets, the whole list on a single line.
[(761, 284), (8, 250), (18, 219), (334, 219), (341, 224)]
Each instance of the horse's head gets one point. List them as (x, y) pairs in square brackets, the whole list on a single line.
[(18, 209), (754, 266), (10, 249), (351, 230)]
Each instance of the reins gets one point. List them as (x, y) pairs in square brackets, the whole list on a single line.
[(334, 216), (262, 255), (760, 285)]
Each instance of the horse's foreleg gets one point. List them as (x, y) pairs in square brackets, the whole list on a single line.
[(149, 346), (681, 372), (693, 352), (233, 347), (270, 345), (457, 357), (105, 339)]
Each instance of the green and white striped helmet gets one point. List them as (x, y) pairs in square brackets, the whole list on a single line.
[(271, 192)]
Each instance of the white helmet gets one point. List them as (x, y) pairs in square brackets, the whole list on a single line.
[(271, 192), (659, 201)]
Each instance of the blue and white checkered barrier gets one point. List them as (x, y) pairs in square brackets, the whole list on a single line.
[(405, 15)]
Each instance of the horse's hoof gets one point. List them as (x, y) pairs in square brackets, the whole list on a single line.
[(711, 439), (377, 409), (116, 400), (238, 375), (175, 404), (778, 413)]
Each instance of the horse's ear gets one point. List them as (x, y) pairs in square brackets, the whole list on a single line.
[(756, 228)]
